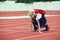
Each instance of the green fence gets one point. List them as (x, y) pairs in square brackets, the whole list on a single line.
[(31, 1)]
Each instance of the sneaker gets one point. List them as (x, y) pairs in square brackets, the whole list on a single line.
[(34, 30), (47, 28)]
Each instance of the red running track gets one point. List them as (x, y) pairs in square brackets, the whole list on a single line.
[(16, 29), (23, 13)]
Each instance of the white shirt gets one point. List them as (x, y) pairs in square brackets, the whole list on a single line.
[(38, 16)]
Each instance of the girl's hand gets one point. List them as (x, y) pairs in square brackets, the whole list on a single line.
[(40, 32)]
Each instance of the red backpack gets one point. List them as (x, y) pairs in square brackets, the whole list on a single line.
[(39, 11)]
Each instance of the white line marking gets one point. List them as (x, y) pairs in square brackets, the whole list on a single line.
[(36, 36), (14, 32), (17, 17), (5, 30), (15, 27), (14, 17), (54, 29), (54, 22), (19, 27), (51, 15), (57, 34), (9, 31)]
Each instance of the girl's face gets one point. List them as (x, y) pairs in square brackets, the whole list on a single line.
[(32, 15)]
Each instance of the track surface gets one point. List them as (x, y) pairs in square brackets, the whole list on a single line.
[(17, 29)]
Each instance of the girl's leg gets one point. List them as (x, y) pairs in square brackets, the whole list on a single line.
[(47, 28)]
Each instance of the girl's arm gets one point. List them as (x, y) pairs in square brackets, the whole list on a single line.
[(39, 29), (30, 27)]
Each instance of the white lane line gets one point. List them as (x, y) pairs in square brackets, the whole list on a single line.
[(36, 36), (14, 32), (57, 34), (51, 15), (15, 27), (5, 30), (9, 31), (16, 17), (22, 27), (54, 22), (55, 29)]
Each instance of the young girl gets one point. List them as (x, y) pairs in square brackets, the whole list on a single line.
[(33, 20), (38, 19)]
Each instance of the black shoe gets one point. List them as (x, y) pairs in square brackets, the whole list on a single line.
[(34, 30), (47, 28)]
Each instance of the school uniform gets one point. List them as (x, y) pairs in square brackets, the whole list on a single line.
[(41, 18)]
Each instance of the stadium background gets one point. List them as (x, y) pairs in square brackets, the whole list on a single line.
[(12, 7), (14, 23)]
